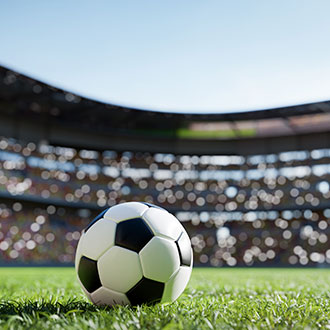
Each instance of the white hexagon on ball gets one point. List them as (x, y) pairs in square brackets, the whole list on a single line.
[(163, 223), (159, 259), (104, 296), (119, 269), (125, 211), (176, 284), (97, 239)]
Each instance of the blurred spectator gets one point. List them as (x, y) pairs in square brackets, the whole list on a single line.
[(256, 210)]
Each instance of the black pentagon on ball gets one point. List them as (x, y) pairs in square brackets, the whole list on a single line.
[(88, 274), (133, 234), (96, 219), (184, 247), (152, 205), (146, 291)]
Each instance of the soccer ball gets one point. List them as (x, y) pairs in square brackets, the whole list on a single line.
[(134, 253)]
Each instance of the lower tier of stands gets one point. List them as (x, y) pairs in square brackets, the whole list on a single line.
[(41, 234)]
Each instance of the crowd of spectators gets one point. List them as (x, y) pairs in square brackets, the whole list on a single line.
[(48, 235), (256, 210)]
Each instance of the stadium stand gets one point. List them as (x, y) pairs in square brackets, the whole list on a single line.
[(250, 188)]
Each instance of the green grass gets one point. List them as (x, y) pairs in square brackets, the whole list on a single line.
[(44, 298)]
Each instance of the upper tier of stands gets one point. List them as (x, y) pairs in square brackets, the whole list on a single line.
[(33, 111)]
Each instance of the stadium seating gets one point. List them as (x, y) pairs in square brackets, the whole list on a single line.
[(270, 209)]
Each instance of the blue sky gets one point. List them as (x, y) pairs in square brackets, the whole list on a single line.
[(181, 56)]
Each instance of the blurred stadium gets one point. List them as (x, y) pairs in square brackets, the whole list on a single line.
[(250, 188)]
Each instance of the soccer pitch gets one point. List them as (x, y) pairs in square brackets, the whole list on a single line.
[(42, 298)]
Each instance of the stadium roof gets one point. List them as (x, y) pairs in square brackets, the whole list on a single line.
[(31, 109)]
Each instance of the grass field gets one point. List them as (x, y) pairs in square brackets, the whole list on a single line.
[(42, 298)]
